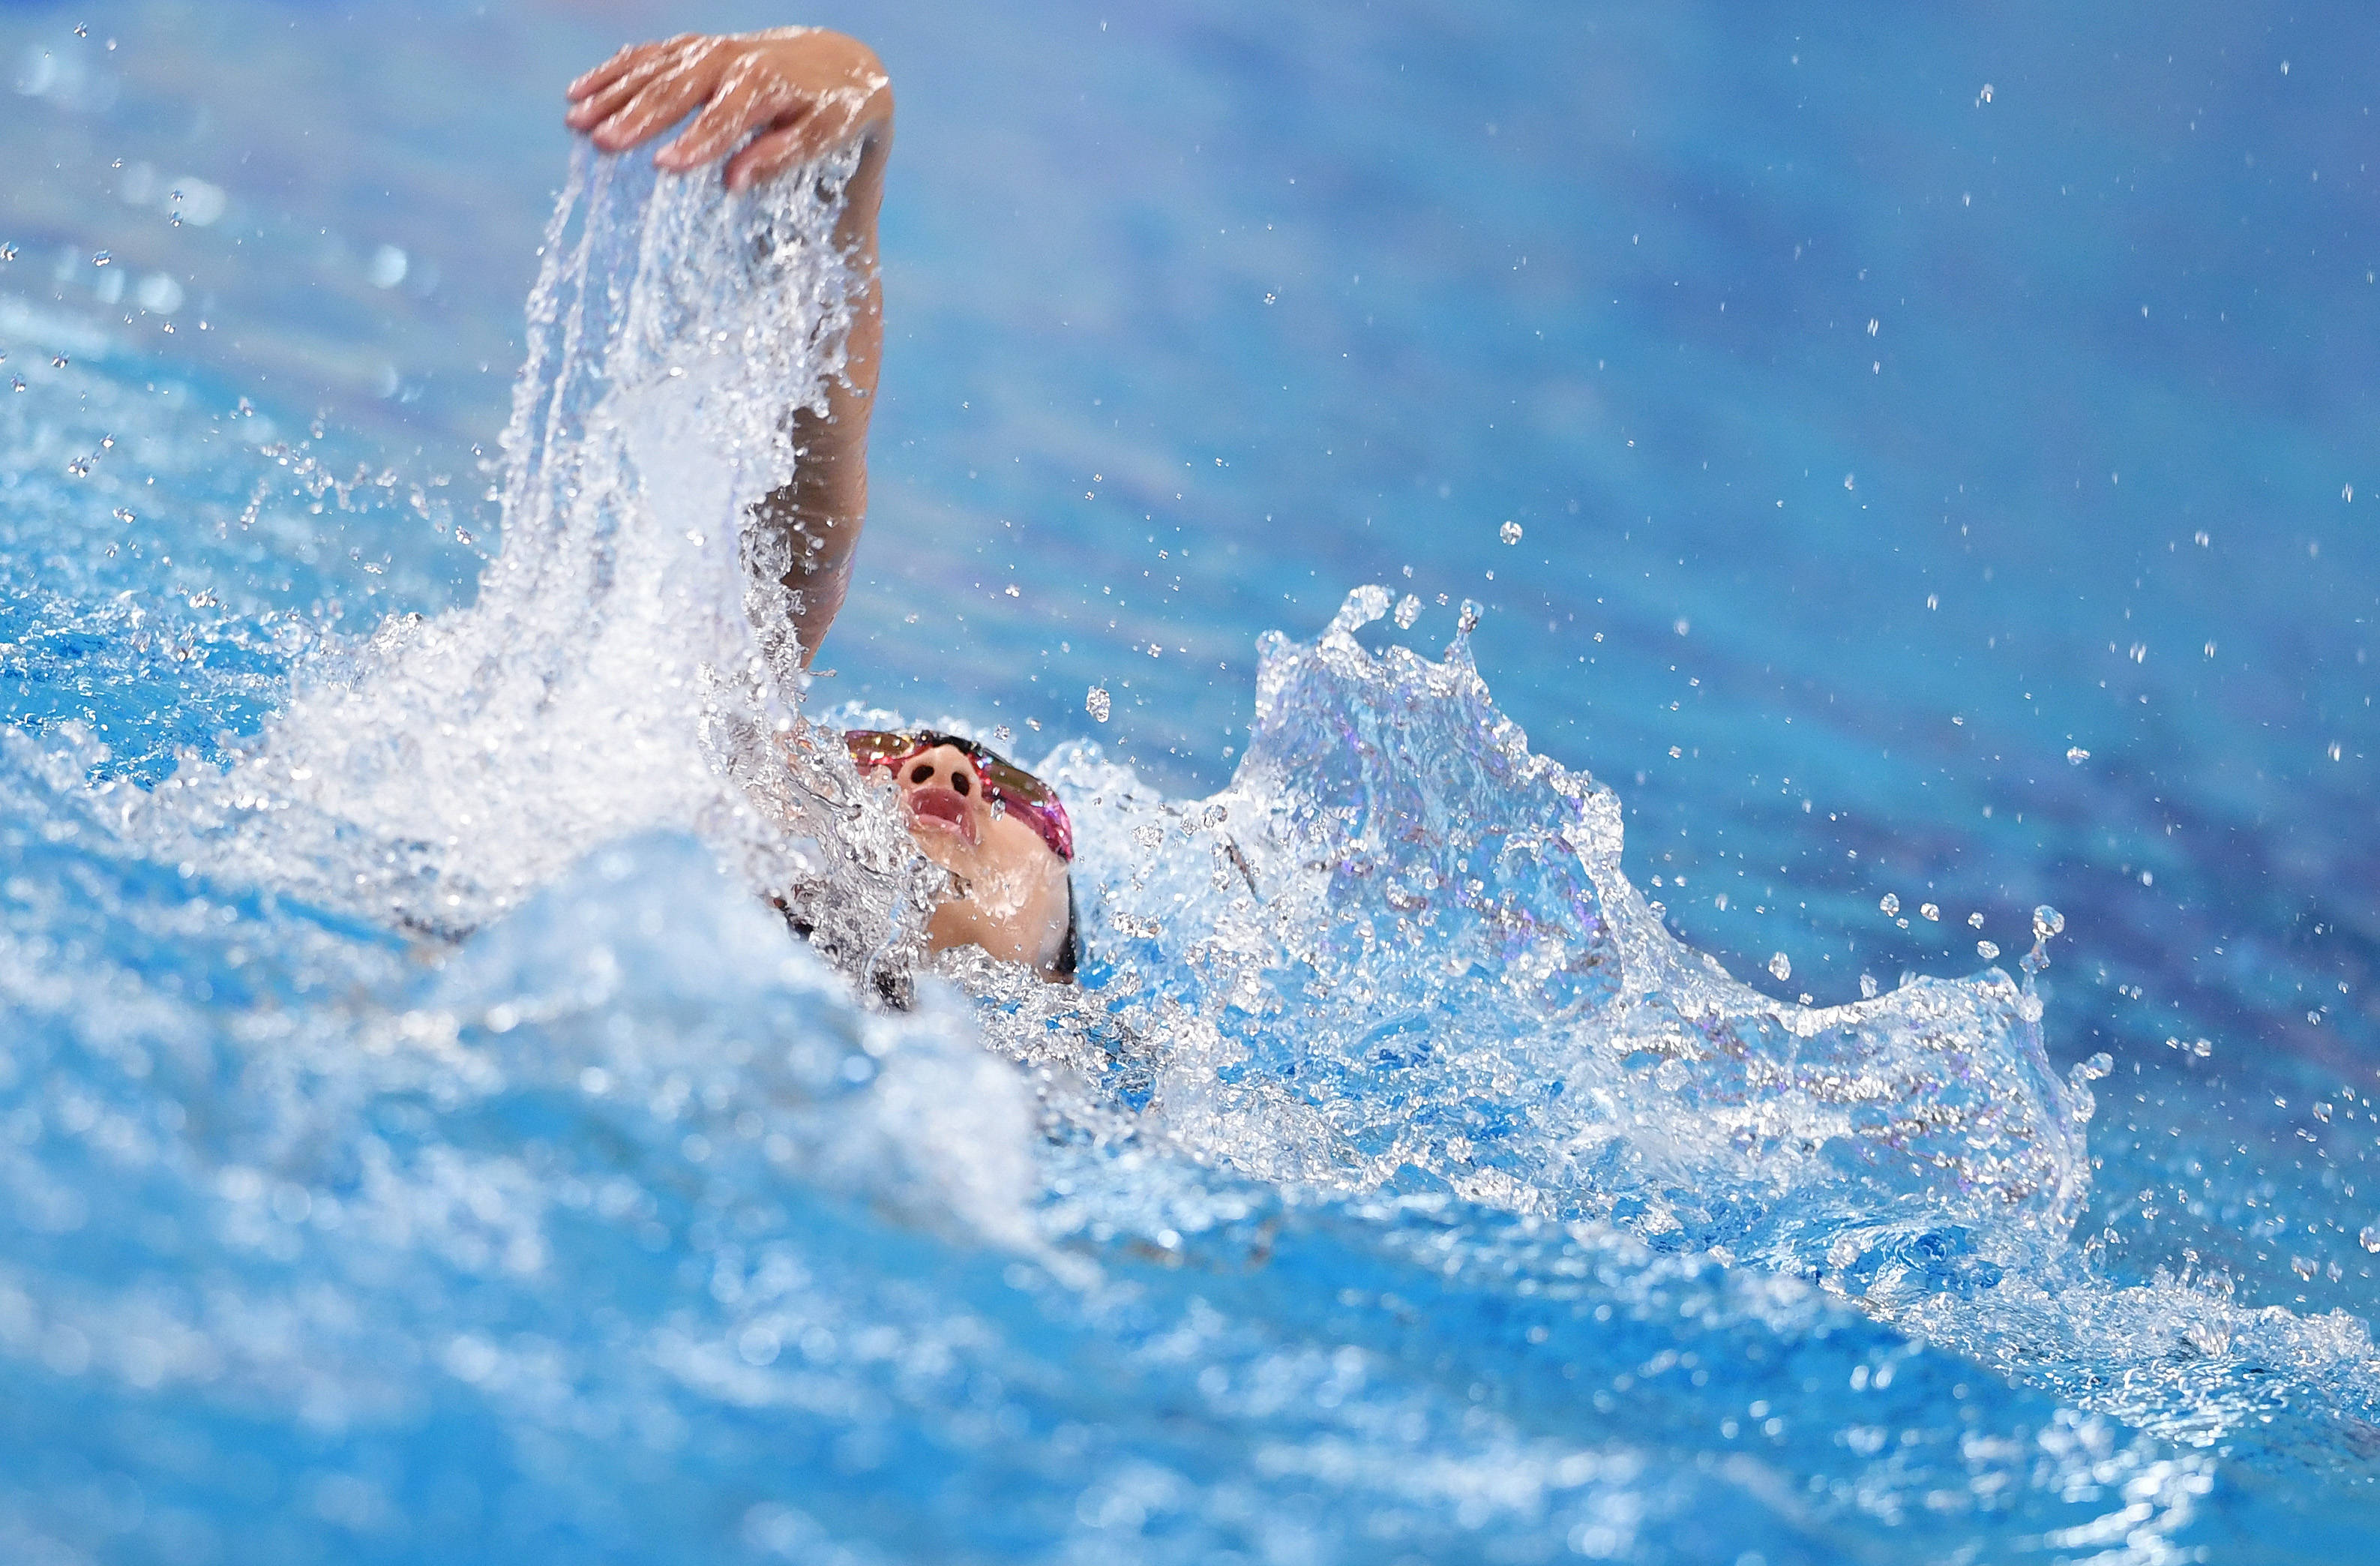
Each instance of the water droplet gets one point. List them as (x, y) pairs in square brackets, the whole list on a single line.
[(1468, 619), (1988, 951), (58, 361), (1974, 922), (2370, 1238), (1683, 626), (1362, 607), (1510, 532), (101, 259), (1094, 702), (388, 267), (1867, 987), (1929, 911), (8, 252), (2076, 756), (1408, 612), (2046, 922), (1889, 902), (1781, 965), (2322, 1112)]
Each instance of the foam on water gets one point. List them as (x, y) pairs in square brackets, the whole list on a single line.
[(421, 1140)]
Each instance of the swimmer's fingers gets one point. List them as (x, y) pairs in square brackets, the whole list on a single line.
[(750, 94), (769, 154), (610, 86), (660, 105), (797, 139), (590, 82), (650, 97)]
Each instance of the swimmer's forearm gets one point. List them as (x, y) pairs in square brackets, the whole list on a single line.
[(787, 96)]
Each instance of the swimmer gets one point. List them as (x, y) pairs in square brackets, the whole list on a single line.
[(766, 102)]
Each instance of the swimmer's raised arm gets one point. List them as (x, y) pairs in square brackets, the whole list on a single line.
[(797, 93)]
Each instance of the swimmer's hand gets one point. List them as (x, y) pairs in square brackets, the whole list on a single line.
[(804, 89)]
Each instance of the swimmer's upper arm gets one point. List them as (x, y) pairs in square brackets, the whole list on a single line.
[(824, 509)]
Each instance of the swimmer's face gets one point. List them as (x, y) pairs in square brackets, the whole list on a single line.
[(1011, 889)]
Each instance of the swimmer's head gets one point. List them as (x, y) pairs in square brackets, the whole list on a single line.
[(1000, 833)]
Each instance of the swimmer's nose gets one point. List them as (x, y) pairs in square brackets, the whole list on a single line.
[(945, 766)]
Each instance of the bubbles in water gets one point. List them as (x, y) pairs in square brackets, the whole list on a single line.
[(2076, 756), (1408, 611), (1094, 702), (1510, 532), (1782, 966), (1889, 902), (1988, 951)]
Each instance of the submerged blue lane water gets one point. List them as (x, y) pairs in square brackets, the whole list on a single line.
[(421, 1143)]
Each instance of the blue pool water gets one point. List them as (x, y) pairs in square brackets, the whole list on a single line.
[(1504, 1122)]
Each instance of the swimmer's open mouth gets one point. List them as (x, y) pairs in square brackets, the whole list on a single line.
[(945, 809)]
